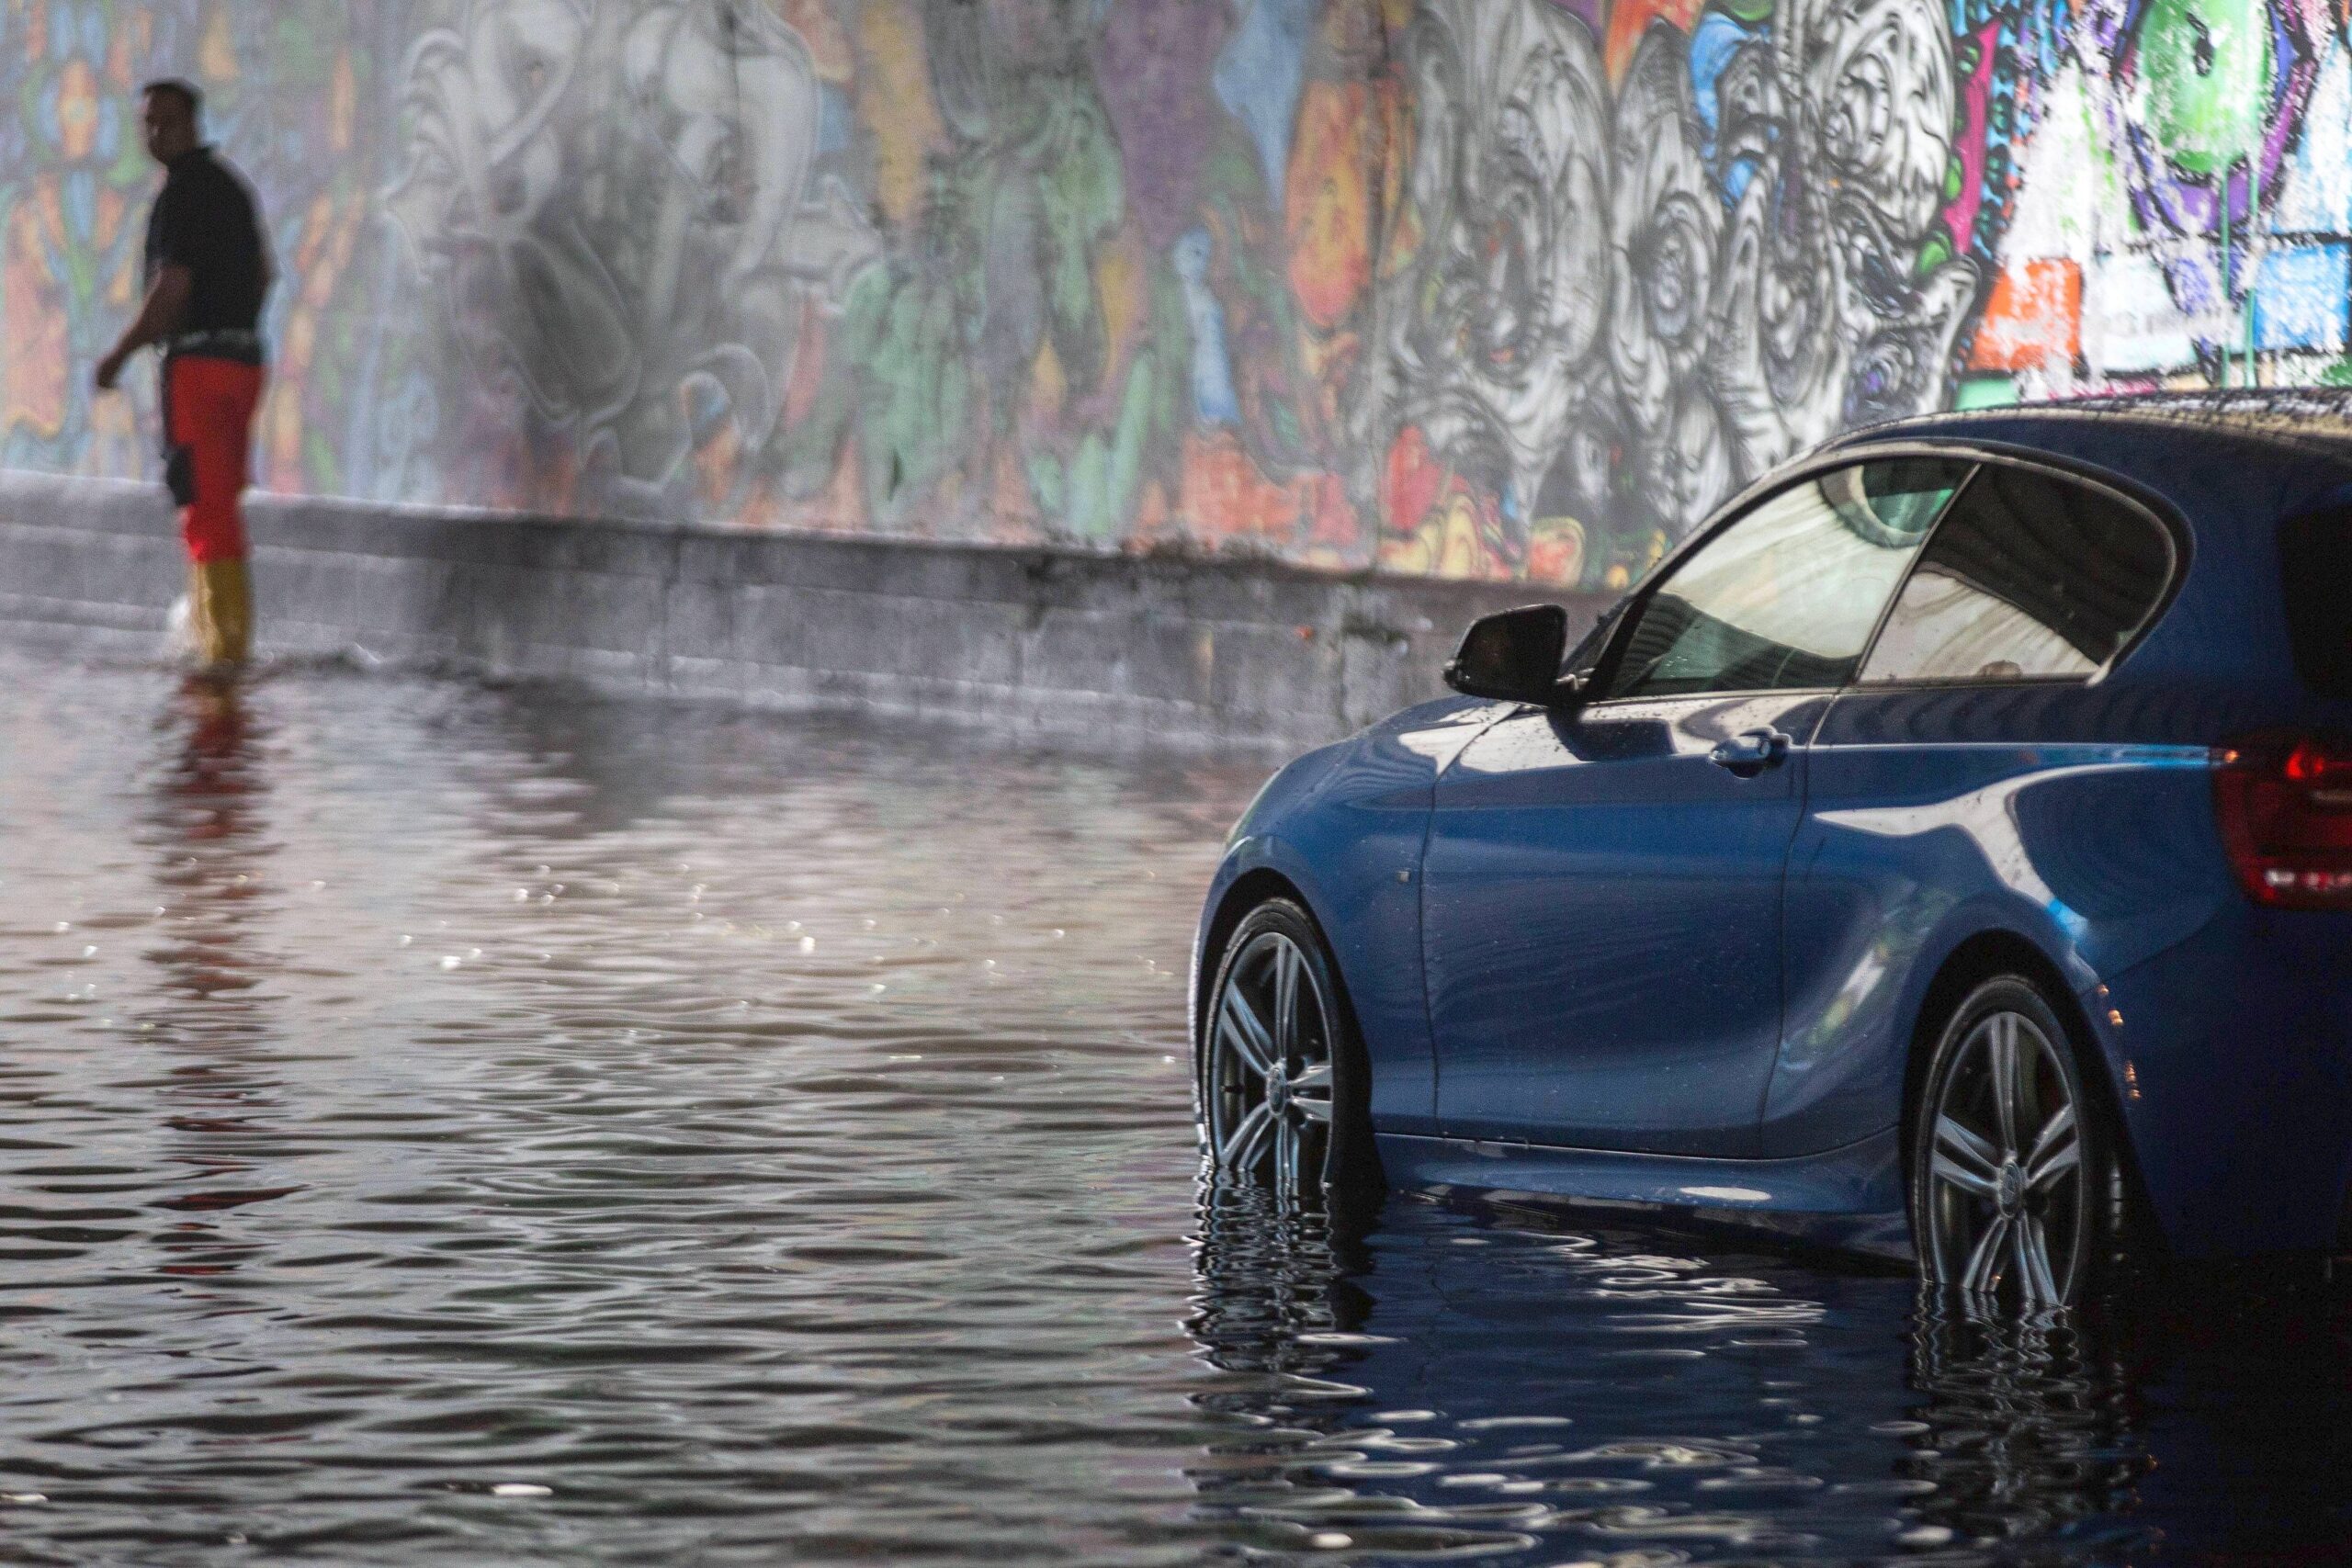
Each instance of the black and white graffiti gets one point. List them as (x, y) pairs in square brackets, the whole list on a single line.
[(617, 201), (1497, 329), (1628, 300)]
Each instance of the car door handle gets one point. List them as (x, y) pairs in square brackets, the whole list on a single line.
[(1750, 753)]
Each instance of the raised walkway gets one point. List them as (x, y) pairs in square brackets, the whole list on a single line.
[(1116, 648)]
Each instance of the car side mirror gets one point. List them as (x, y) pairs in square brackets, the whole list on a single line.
[(1515, 655)]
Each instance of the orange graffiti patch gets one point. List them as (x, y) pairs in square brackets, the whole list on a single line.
[(893, 102), (109, 220), (811, 350), (1048, 385), (1332, 525), (1555, 551), (1439, 524), (1630, 19), (1153, 525), (33, 388), (716, 462), (1121, 280), (1224, 496), (1416, 479), (829, 48), (77, 110), (1329, 201), (343, 104), (216, 56), (1396, 162), (2034, 318), (127, 42)]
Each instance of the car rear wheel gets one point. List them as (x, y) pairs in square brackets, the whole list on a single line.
[(1282, 1099), (2013, 1193)]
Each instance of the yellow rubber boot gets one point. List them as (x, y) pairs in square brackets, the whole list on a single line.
[(220, 611)]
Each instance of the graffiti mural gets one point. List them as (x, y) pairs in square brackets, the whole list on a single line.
[(1470, 288)]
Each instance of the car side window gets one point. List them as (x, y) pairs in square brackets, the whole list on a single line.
[(2029, 576), (1786, 596)]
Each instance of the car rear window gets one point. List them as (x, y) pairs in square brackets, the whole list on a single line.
[(2029, 577), (2315, 568)]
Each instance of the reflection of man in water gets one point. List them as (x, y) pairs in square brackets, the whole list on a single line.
[(208, 270), (205, 820)]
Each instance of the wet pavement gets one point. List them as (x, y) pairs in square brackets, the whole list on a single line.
[(446, 1123)]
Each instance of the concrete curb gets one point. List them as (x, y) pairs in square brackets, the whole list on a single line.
[(1124, 649)]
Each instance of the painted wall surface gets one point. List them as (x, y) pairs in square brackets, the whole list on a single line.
[(1475, 288)]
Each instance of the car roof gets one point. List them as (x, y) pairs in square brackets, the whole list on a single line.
[(2312, 421), (2197, 449), (2309, 421)]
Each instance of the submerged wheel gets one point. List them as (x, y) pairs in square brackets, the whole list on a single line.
[(1282, 1097), (2013, 1188)]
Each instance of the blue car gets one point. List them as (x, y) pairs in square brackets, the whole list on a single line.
[(1945, 852)]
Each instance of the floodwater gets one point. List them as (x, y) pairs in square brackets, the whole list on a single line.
[(449, 1123)]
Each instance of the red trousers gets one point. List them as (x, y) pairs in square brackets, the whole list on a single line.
[(209, 413)]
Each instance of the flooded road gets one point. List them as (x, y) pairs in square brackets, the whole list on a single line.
[(442, 1123)]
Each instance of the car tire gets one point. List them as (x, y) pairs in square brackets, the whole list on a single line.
[(1284, 1085), (2016, 1197)]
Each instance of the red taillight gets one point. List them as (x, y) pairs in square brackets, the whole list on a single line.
[(2285, 804)]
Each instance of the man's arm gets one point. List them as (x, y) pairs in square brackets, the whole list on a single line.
[(166, 303)]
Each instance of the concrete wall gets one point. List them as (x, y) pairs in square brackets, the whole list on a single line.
[(1108, 648), (1467, 287)]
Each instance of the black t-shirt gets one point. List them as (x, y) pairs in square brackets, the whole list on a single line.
[(205, 220)]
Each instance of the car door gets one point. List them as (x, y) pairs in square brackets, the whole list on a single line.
[(1601, 893)]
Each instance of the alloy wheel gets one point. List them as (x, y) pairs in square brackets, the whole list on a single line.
[(2006, 1210), (1269, 1086)]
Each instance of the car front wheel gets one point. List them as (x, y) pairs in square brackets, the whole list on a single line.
[(1282, 1099)]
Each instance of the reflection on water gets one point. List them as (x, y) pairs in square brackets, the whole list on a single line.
[(2026, 1430), (1505, 1386), (440, 1123), (206, 829)]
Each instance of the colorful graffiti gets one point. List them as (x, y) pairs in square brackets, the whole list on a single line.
[(2185, 207), (1472, 288)]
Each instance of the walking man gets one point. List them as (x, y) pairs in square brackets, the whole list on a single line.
[(208, 270)]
